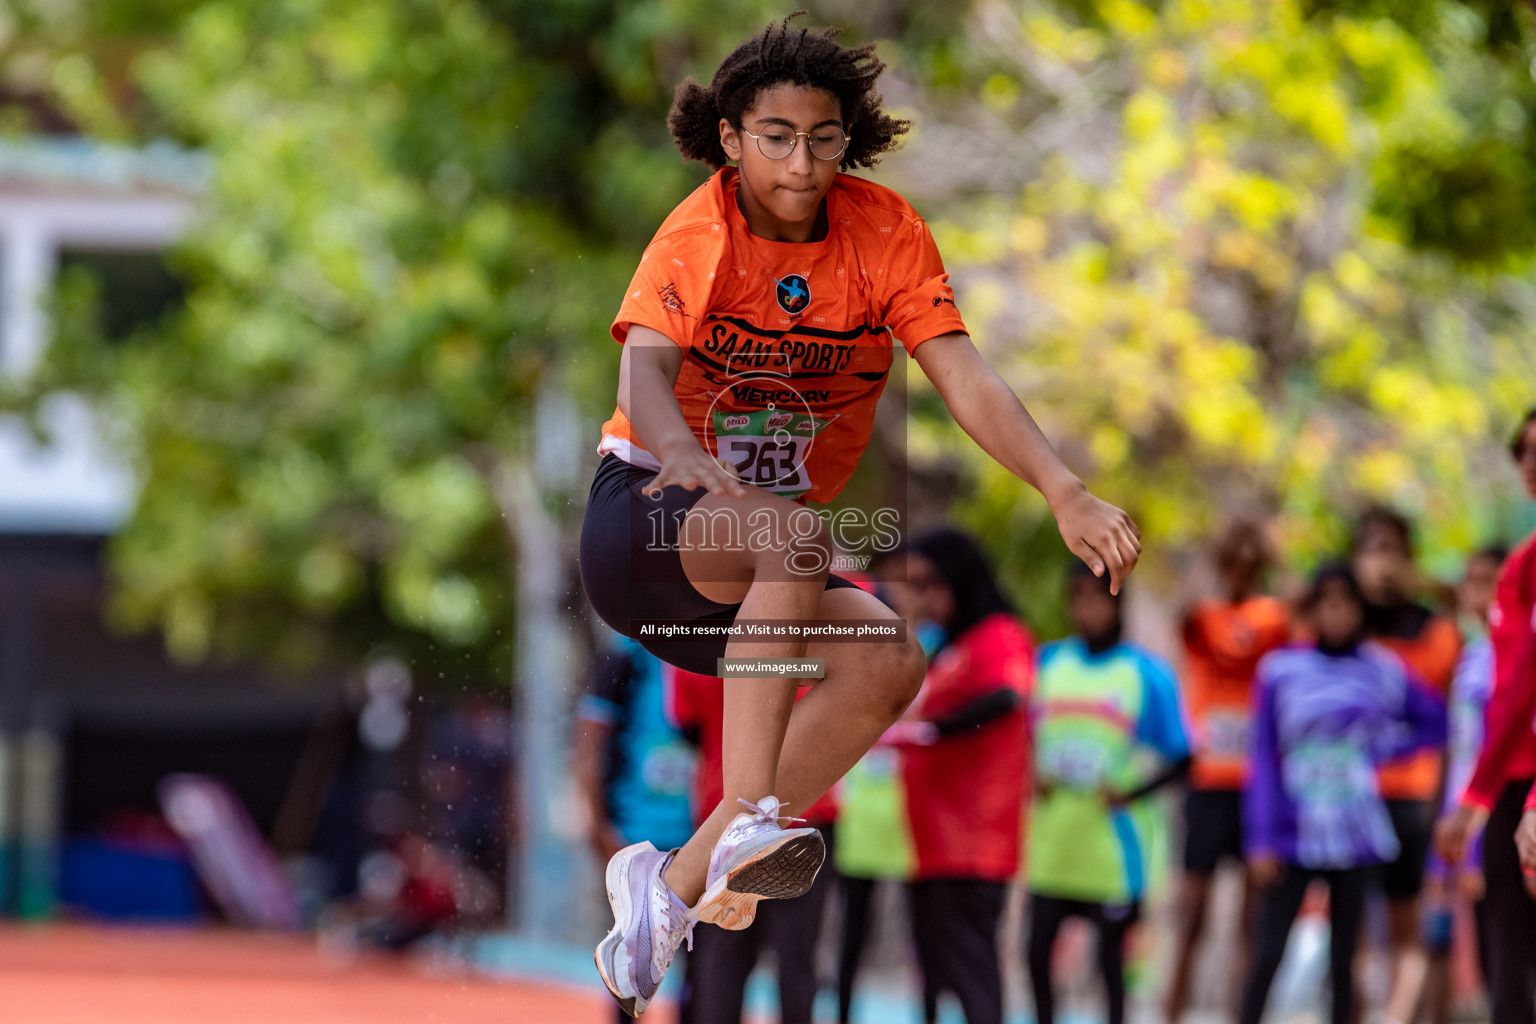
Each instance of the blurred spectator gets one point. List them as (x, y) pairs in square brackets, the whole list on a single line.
[(409, 895), (722, 960), (874, 835), (1382, 559), (1098, 702), (407, 890), (1224, 638), (1505, 771), (1452, 886), (1328, 714), (633, 765), (964, 765), (466, 781)]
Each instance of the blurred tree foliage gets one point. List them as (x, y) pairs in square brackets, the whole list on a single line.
[(1256, 256), (411, 220)]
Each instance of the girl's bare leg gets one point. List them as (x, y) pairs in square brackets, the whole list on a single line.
[(773, 746)]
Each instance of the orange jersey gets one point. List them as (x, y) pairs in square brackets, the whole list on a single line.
[(787, 346), (1432, 654), (1223, 643)]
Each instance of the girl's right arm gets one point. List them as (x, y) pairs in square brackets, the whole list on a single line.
[(647, 374)]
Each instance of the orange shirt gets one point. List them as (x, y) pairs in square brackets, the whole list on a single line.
[(787, 346), (1223, 643), (1433, 654)]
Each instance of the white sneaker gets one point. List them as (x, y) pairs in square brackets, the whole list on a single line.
[(757, 859), (649, 923)]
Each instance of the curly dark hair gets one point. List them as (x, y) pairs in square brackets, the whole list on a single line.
[(779, 56)]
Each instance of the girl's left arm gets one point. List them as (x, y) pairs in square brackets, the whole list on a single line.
[(987, 409)]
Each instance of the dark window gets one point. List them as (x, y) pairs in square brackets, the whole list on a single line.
[(137, 288)]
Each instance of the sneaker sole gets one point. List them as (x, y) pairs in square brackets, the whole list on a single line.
[(616, 878), (776, 872)]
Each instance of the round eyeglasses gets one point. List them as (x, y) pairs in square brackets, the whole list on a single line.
[(828, 142)]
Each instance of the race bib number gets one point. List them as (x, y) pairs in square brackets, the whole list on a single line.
[(1074, 762), (768, 447), (1326, 773), (1228, 734)]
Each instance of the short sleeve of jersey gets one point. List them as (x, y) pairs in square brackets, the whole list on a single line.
[(919, 303), (671, 287), (999, 655), (1044, 656), (1162, 716)]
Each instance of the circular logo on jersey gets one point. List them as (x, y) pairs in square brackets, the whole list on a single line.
[(793, 293)]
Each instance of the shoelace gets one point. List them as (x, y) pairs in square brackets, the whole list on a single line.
[(765, 815), (686, 921), (670, 912)]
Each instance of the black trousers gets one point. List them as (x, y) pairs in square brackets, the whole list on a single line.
[(1511, 914), (858, 905), (1282, 902), (954, 921), (722, 960), (1046, 916)]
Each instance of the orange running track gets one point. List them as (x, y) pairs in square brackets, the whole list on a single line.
[(73, 974)]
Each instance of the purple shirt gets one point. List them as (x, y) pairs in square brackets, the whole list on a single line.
[(1322, 726)]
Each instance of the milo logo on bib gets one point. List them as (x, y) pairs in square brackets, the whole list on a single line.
[(768, 447)]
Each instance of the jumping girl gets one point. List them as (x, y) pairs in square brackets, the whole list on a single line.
[(757, 339)]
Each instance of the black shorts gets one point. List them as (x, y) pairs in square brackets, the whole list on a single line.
[(1414, 822), (1213, 829), (631, 570)]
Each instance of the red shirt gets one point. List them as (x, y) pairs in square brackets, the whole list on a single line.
[(699, 703), (965, 793), (1509, 744)]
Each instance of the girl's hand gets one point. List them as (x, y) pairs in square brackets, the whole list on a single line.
[(1454, 831), (690, 466), (1100, 534), (1264, 869), (1525, 840)]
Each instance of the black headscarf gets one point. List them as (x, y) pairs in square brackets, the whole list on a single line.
[(969, 578), (1338, 572)]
